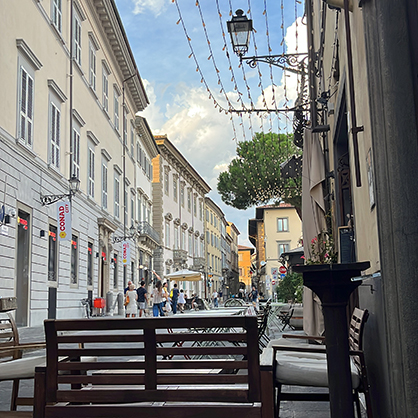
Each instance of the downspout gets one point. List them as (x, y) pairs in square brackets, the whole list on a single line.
[(355, 129), (71, 79)]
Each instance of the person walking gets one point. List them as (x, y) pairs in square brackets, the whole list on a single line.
[(174, 298), (130, 301), (127, 287), (254, 298), (215, 299), (157, 297), (182, 301), (142, 298)]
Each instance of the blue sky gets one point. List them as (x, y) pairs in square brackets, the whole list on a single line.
[(180, 104)]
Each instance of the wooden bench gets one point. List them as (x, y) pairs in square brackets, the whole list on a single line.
[(15, 367), (143, 370)]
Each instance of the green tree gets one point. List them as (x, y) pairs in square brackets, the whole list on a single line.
[(254, 178), (290, 288)]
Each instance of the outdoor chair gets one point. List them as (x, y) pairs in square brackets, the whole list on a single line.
[(306, 365), (285, 319)]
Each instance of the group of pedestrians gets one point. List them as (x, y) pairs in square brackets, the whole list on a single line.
[(163, 301), (135, 299)]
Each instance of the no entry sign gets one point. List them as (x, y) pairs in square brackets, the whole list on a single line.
[(282, 269)]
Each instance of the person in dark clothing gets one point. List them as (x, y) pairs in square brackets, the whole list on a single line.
[(142, 298), (175, 298)]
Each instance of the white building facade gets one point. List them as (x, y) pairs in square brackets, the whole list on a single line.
[(63, 118), (178, 196)]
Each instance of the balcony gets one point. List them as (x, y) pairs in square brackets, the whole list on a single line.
[(198, 264), (148, 235), (179, 256)]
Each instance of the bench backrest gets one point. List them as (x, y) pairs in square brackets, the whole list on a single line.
[(138, 358), (9, 337)]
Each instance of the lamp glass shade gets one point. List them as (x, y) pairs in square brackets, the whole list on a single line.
[(239, 28), (74, 184)]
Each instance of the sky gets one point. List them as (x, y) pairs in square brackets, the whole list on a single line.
[(181, 48)]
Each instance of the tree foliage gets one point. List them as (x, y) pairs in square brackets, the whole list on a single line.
[(254, 178), (290, 288)]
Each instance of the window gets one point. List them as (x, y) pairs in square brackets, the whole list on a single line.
[(211, 218), (183, 239), (200, 210), (116, 186), (75, 154), (138, 153), (104, 186), (90, 169), (132, 141), (139, 209), (202, 247), (52, 254), (115, 271), (105, 89), (149, 213), (125, 128), (283, 247), (116, 109), (196, 247), (195, 205), (74, 260), (26, 90), (54, 135), (167, 234), (90, 264), (57, 14), (144, 209), (207, 237), (92, 66), (241, 272), (166, 182), (176, 237), (77, 38), (174, 188), (190, 244), (211, 239), (240, 257), (282, 225), (207, 215), (132, 272), (189, 200), (132, 210), (125, 206), (182, 194)]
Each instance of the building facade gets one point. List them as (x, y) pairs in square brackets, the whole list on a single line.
[(233, 274), (274, 231), (244, 265), (213, 226), (178, 213), (62, 118)]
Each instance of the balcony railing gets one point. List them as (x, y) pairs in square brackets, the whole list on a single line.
[(145, 229), (179, 256)]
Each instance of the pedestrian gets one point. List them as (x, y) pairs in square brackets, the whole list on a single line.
[(194, 302), (254, 298), (220, 296), (174, 298), (157, 297), (166, 298), (127, 287), (130, 301), (142, 298), (215, 299), (182, 301)]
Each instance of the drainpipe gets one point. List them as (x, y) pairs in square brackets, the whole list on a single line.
[(71, 78), (355, 129)]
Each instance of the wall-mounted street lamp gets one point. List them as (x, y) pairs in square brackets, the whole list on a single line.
[(74, 186), (240, 27), (131, 235)]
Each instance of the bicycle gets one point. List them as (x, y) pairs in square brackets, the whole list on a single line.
[(87, 305)]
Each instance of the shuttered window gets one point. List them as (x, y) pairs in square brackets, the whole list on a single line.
[(26, 107), (55, 136)]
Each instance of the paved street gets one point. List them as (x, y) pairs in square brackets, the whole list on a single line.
[(287, 410)]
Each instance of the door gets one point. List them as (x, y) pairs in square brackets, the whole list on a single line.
[(22, 268)]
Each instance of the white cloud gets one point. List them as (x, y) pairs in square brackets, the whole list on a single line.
[(154, 6)]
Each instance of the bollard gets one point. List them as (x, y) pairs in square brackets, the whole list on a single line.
[(121, 308), (109, 303)]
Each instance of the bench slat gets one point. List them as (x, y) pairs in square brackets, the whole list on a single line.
[(149, 411), (129, 395)]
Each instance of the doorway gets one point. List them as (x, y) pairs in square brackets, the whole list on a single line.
[(22, 267)]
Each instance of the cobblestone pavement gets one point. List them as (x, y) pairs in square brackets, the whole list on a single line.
[(287, 409)]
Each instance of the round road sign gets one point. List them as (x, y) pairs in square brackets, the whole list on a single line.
[(282, 269), (273, 282)]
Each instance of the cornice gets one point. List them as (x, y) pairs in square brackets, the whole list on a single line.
[(110, 20), (147, 138)]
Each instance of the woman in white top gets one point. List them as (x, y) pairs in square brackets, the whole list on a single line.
[(182, 301), (157, 297), (131, 307)]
